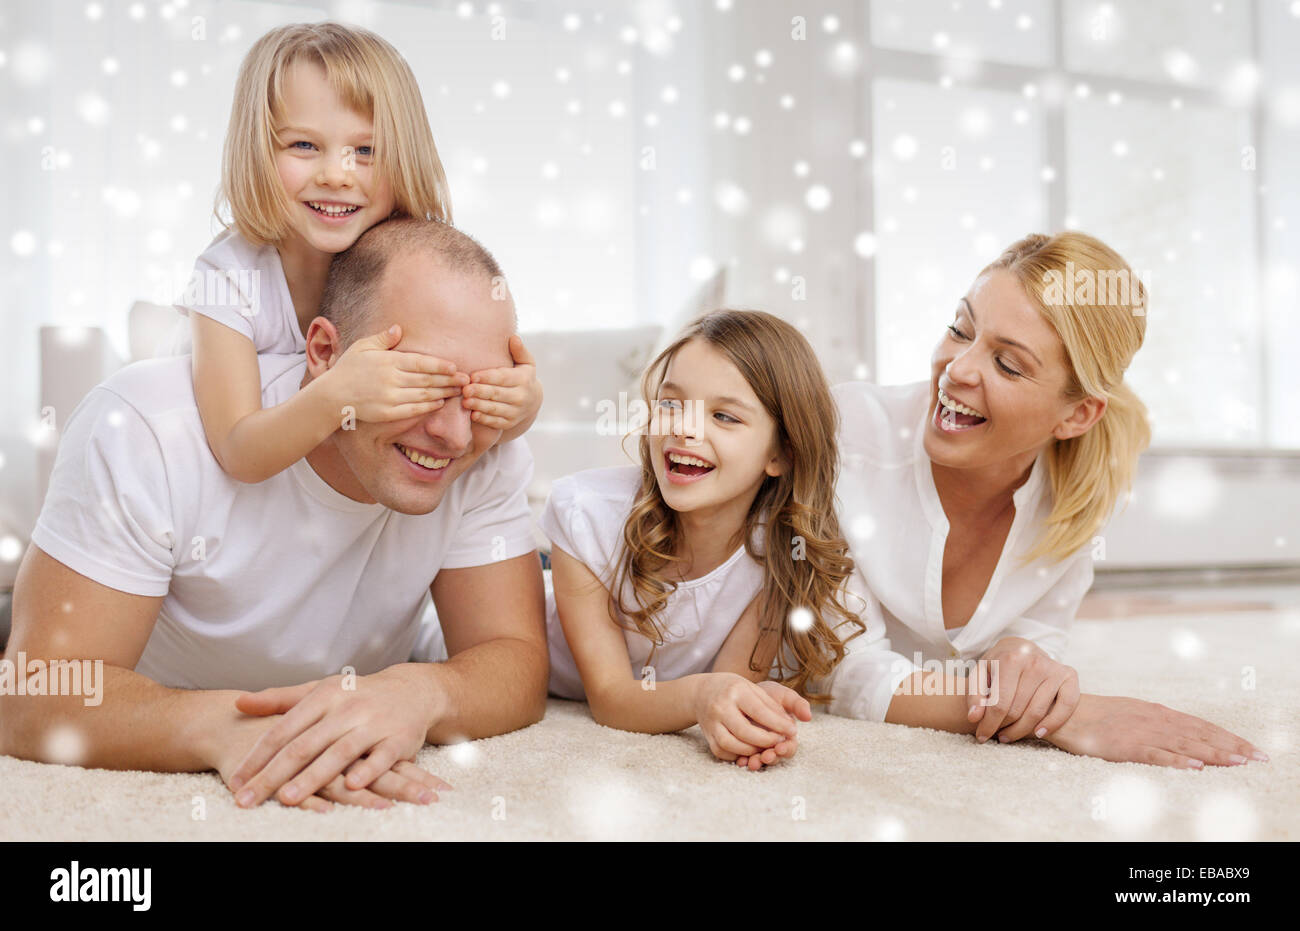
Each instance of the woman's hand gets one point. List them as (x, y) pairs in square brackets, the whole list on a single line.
[(798, 709), (1035, 694), (1129, 730), (739, 717)]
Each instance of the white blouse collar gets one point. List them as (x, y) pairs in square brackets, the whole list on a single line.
[(1024, 499)]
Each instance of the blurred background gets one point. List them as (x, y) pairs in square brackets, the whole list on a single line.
[(849, 165)]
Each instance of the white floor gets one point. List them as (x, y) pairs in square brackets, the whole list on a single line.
[(569, 778)]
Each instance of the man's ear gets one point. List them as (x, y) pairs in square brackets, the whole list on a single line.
[(1085, 414), (323, 346)]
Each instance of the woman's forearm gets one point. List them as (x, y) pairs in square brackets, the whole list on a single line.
[(932, 699)]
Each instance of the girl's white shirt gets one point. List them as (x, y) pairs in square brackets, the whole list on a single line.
[(242, 286), (891, 515), (584, 516)]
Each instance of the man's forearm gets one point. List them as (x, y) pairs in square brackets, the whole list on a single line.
[(489, 689), (932, 699), (139, 725)]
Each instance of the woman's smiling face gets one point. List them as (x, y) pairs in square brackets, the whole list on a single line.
[(707, 412), (998, 380)]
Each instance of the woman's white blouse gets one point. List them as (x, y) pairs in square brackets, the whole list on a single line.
[(584, 516), (890, 513)]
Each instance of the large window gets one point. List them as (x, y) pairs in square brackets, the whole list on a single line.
[(849, 167), (1168, 128)]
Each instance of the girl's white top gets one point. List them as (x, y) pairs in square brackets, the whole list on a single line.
[(242, 286), (584, 516), (895, 525)]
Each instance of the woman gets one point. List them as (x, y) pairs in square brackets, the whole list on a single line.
[(971, 503)]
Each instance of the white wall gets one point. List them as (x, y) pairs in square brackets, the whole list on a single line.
[(614, 154)]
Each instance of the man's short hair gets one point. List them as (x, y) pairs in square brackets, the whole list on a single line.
[(352, 289)]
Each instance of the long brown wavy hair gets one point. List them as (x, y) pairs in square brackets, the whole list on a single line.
[(805, 557)]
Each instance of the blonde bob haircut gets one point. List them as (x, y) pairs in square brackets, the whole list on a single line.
[(1100, 328), (371, 77)]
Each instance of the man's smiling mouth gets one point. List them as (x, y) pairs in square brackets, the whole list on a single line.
[(421, 459)]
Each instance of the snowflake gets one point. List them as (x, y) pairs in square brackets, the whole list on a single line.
[(818, 198), (10, 548), (1225, 816), (463, 754), (1130, 805), (23, 243), (65, 744), (801, 620), (731, 199), (611, 810), (1186, 645), (890, 829), (904, 147)]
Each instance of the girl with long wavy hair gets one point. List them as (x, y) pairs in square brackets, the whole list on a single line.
[(706, 585)]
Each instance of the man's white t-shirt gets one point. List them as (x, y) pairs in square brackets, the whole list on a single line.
[(584, 516), (243, 287), (269, 584), (891, 515)]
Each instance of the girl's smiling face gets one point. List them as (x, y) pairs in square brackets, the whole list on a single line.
[(998, 380), (325, 157), (706, 412)]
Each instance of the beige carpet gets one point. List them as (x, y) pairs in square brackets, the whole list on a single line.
[(569, 778)]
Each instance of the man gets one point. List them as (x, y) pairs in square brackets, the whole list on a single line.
[(194, 588)]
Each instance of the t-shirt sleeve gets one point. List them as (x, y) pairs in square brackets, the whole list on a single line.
[(233, 284), (568, 522), (107, 514), (496, 522), (863, 683), (1047, 623), (215, 291)]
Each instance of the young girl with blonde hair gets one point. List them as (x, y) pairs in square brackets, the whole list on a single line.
[(328, 136), (705, 585)]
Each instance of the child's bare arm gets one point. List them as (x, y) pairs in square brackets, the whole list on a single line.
[(617, 698), (739, 647), (729, 710), (250, 443)]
